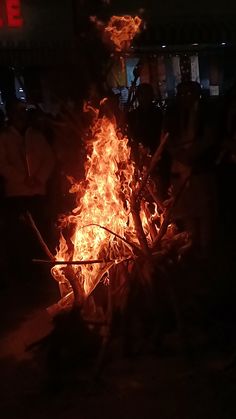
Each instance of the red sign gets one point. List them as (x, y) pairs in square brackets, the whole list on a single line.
[(10, 14)]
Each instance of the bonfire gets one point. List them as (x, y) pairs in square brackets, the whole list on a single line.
[(118, 222), (118, 219), (119, 232)]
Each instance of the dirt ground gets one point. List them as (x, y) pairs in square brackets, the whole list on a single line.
[(166, 384)]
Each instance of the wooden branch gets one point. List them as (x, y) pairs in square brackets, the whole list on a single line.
[(169, 212), (151, 224), (68, 271), (132, 245), (79, 295), (159, 204), (135, 211), (79, 262), (155, 159), (39, 236)]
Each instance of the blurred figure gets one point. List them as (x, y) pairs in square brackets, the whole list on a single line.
[(3, 282), (145, 122), (70, 152), (191, 148), (26, 163), (227, 166), (145, 128), (2, 126)]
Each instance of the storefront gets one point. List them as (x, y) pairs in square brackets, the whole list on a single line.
[(200, 50)]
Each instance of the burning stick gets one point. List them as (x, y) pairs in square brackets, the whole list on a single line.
[(151, 224), (135, 211), (155, 198), (169, 213), (79, 262), (135, 199), (132, 246), (77, 288), (75, 285)]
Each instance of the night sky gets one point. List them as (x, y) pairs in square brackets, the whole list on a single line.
[(176, 7)]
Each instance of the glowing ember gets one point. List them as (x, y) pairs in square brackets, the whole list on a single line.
[(103, 201), (121, 30)]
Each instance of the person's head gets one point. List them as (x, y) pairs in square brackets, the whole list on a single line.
[(188, 93), (145, 95), (17, 115)]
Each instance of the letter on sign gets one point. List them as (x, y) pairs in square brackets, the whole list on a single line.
[(1, 18), (10, 14), (14, 17)]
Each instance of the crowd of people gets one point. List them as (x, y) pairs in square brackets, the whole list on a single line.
[(38, 152), (199, 158)]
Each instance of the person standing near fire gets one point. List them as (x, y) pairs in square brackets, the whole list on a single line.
[(145, 122), (26, 163), (192, 152), (145, 125)]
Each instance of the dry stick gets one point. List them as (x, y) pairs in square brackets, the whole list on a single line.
[(155, 159), (40, 238), (135, 204), (77, 289), (169, 213), (69, 262), (135, 211), (72, 277), (79, 262), (160, 206)]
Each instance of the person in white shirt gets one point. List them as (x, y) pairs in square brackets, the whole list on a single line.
[(26, 159), (26, 164)]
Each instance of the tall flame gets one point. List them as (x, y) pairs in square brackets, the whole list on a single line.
[(102, 223), (121, 30)]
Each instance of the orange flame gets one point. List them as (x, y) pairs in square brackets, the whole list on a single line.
[(102, 223), (121, 31)]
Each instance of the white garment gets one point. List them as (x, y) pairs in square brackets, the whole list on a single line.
[(22, 157)]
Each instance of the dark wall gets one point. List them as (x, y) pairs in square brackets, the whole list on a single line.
[(44, 21), (198, 8), (172, 8)]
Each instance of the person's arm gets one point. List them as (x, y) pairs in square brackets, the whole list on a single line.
[(7, 169)]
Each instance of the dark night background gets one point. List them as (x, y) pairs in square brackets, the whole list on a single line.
[(59, 53)]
